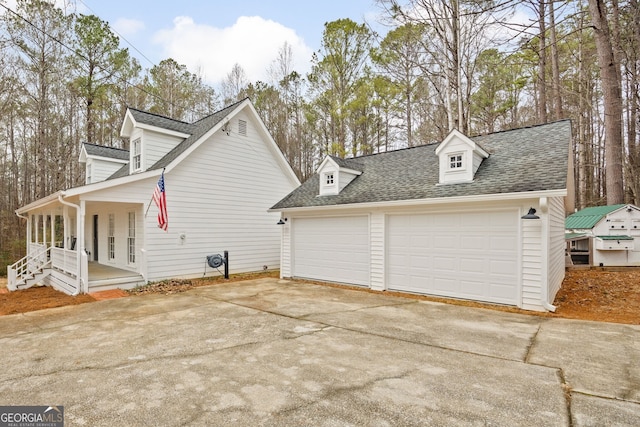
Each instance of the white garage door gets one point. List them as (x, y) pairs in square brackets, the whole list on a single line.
[(332, 249), (461, 255)]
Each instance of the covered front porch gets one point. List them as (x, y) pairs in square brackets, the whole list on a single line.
[(79, 246), (103, 277)]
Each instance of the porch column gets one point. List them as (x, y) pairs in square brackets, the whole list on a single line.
[(53, 229), (28, 242), (66, 227), (44, 230), (37, 225), (82, 254)]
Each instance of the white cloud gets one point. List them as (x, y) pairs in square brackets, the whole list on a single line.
[(128, 27), (252, 41)]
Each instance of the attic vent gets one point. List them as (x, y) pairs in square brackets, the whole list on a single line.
[(242, 127)]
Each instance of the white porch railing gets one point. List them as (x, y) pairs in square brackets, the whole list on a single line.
[(65, 261), (56, 267), (28, 270)]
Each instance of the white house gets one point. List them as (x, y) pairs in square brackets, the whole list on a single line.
[(452, 219), (605, 236), (221, 175)]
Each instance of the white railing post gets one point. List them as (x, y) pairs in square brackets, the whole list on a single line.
[(83, 280)]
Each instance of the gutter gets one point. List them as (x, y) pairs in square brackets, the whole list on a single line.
[(427, 202)]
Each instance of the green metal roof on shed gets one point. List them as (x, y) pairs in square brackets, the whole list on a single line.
[(576, 236), (615, 237), (587, 218)]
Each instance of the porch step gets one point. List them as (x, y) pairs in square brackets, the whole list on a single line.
[(128, 282), (32, 279)]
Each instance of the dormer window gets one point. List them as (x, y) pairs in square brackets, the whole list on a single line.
[(333, 175), (329, 178), (458, 159), (88, 180), (455, 161), (137, 154)]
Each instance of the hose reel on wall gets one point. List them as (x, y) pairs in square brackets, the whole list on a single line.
[(216, 261)]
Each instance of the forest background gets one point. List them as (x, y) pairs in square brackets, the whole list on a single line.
[(66, 79)]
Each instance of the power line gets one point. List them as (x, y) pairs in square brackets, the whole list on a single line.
[(121, 79), (120, 35)]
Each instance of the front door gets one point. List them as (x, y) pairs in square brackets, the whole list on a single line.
[(95, 237)]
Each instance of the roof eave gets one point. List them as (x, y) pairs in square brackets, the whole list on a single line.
[(431, 201)]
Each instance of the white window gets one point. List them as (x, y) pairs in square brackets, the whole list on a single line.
[(88, 181), (136, 149), (455, 161), (111, 238), (131, 239), (329, 178)]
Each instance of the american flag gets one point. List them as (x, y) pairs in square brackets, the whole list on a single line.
[(160, 198)]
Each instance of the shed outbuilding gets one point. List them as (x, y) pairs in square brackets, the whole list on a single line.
[(604, 236)]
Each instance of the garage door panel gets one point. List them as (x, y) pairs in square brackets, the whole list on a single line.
[(461, 255), (502, 243), (472, 265), (472, 287), (473, 242), (333, 249)]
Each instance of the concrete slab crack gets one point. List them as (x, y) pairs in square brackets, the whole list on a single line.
[(566, 391)]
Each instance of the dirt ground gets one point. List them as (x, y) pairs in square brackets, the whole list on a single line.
[(607, 296)]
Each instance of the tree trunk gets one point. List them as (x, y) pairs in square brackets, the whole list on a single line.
[(612, 94), (555, 66), (542, 65)]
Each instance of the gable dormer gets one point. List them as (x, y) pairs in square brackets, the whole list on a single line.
[(151, 137), (334, 175), (459, 158), (101, 162)]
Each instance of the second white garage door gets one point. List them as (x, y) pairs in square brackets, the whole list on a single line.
[(332, 249), (460, 255)]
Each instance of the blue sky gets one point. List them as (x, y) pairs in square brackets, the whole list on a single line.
[(209, 37)]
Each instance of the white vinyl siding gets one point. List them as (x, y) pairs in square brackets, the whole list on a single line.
[(102, 169), (334, 249), (472, 255), (377, 222), (285, 251), (218, 197), (532, 264), (557, 246), (157, 145)]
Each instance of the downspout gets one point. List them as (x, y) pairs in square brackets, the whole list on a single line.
[(78, 249), (28, 236), (544, 209)]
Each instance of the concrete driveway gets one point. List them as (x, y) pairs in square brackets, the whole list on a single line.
[(278, 352)]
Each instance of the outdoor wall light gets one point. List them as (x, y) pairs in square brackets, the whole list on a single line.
[(531, 214), (281, 222)]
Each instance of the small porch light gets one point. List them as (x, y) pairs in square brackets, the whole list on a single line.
[(281, 222), (531, 214)]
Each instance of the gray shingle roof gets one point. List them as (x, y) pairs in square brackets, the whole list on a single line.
[(199, 129), (520, 160), (109, 152), (195, 130), (161, 121)]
